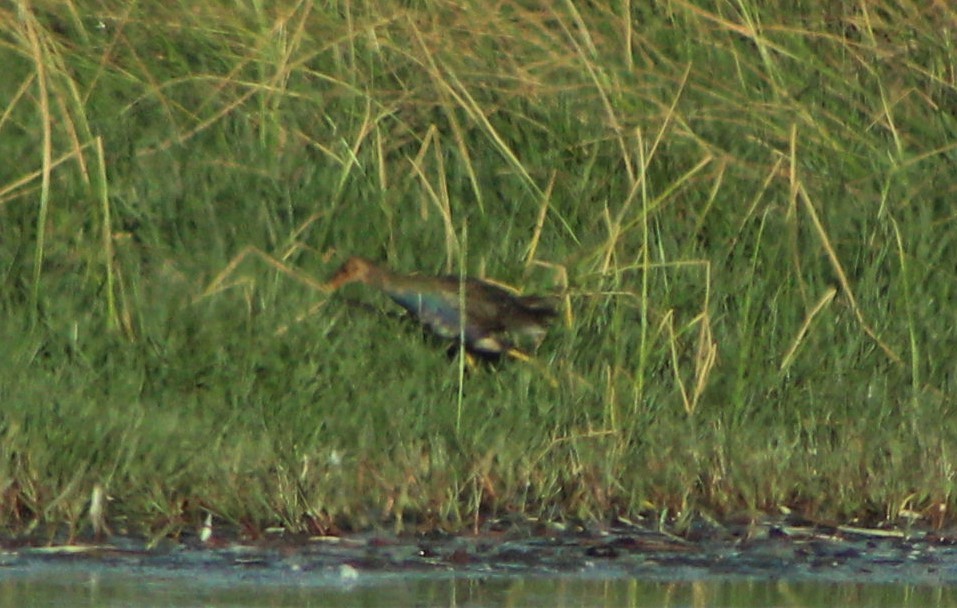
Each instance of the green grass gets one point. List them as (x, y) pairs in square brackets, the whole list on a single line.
[(748, 211)]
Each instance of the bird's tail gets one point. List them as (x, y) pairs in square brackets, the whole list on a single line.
[(542, 306)]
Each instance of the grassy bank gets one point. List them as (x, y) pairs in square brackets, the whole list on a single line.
[(748, 212)]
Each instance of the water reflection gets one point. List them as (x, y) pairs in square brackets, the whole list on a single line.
[(63, 585)]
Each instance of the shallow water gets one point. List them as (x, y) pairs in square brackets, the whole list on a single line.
[(622, 566), (82, 585)]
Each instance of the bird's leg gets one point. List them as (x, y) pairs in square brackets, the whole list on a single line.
[(517, 354), (471, 363), (525, 358)]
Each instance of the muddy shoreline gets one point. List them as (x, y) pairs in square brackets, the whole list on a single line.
[(768, 551)]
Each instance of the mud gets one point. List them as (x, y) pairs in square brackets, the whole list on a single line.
[(766, 551)]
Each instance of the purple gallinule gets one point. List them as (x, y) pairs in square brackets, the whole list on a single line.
[(496, 322)]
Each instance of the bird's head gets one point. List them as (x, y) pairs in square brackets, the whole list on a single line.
[(355, 270)]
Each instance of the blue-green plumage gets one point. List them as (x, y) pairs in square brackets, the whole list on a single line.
[(495, 321)]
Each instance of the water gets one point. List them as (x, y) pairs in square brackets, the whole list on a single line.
[(624, 566), (82, 586)]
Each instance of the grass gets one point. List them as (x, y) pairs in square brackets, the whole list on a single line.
[(747, 211)]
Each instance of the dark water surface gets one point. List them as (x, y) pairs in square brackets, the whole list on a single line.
[(622, 566)]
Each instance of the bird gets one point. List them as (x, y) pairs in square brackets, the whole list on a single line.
[(496, 322)]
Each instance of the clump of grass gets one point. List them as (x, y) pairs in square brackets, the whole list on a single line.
[(746, 213)]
